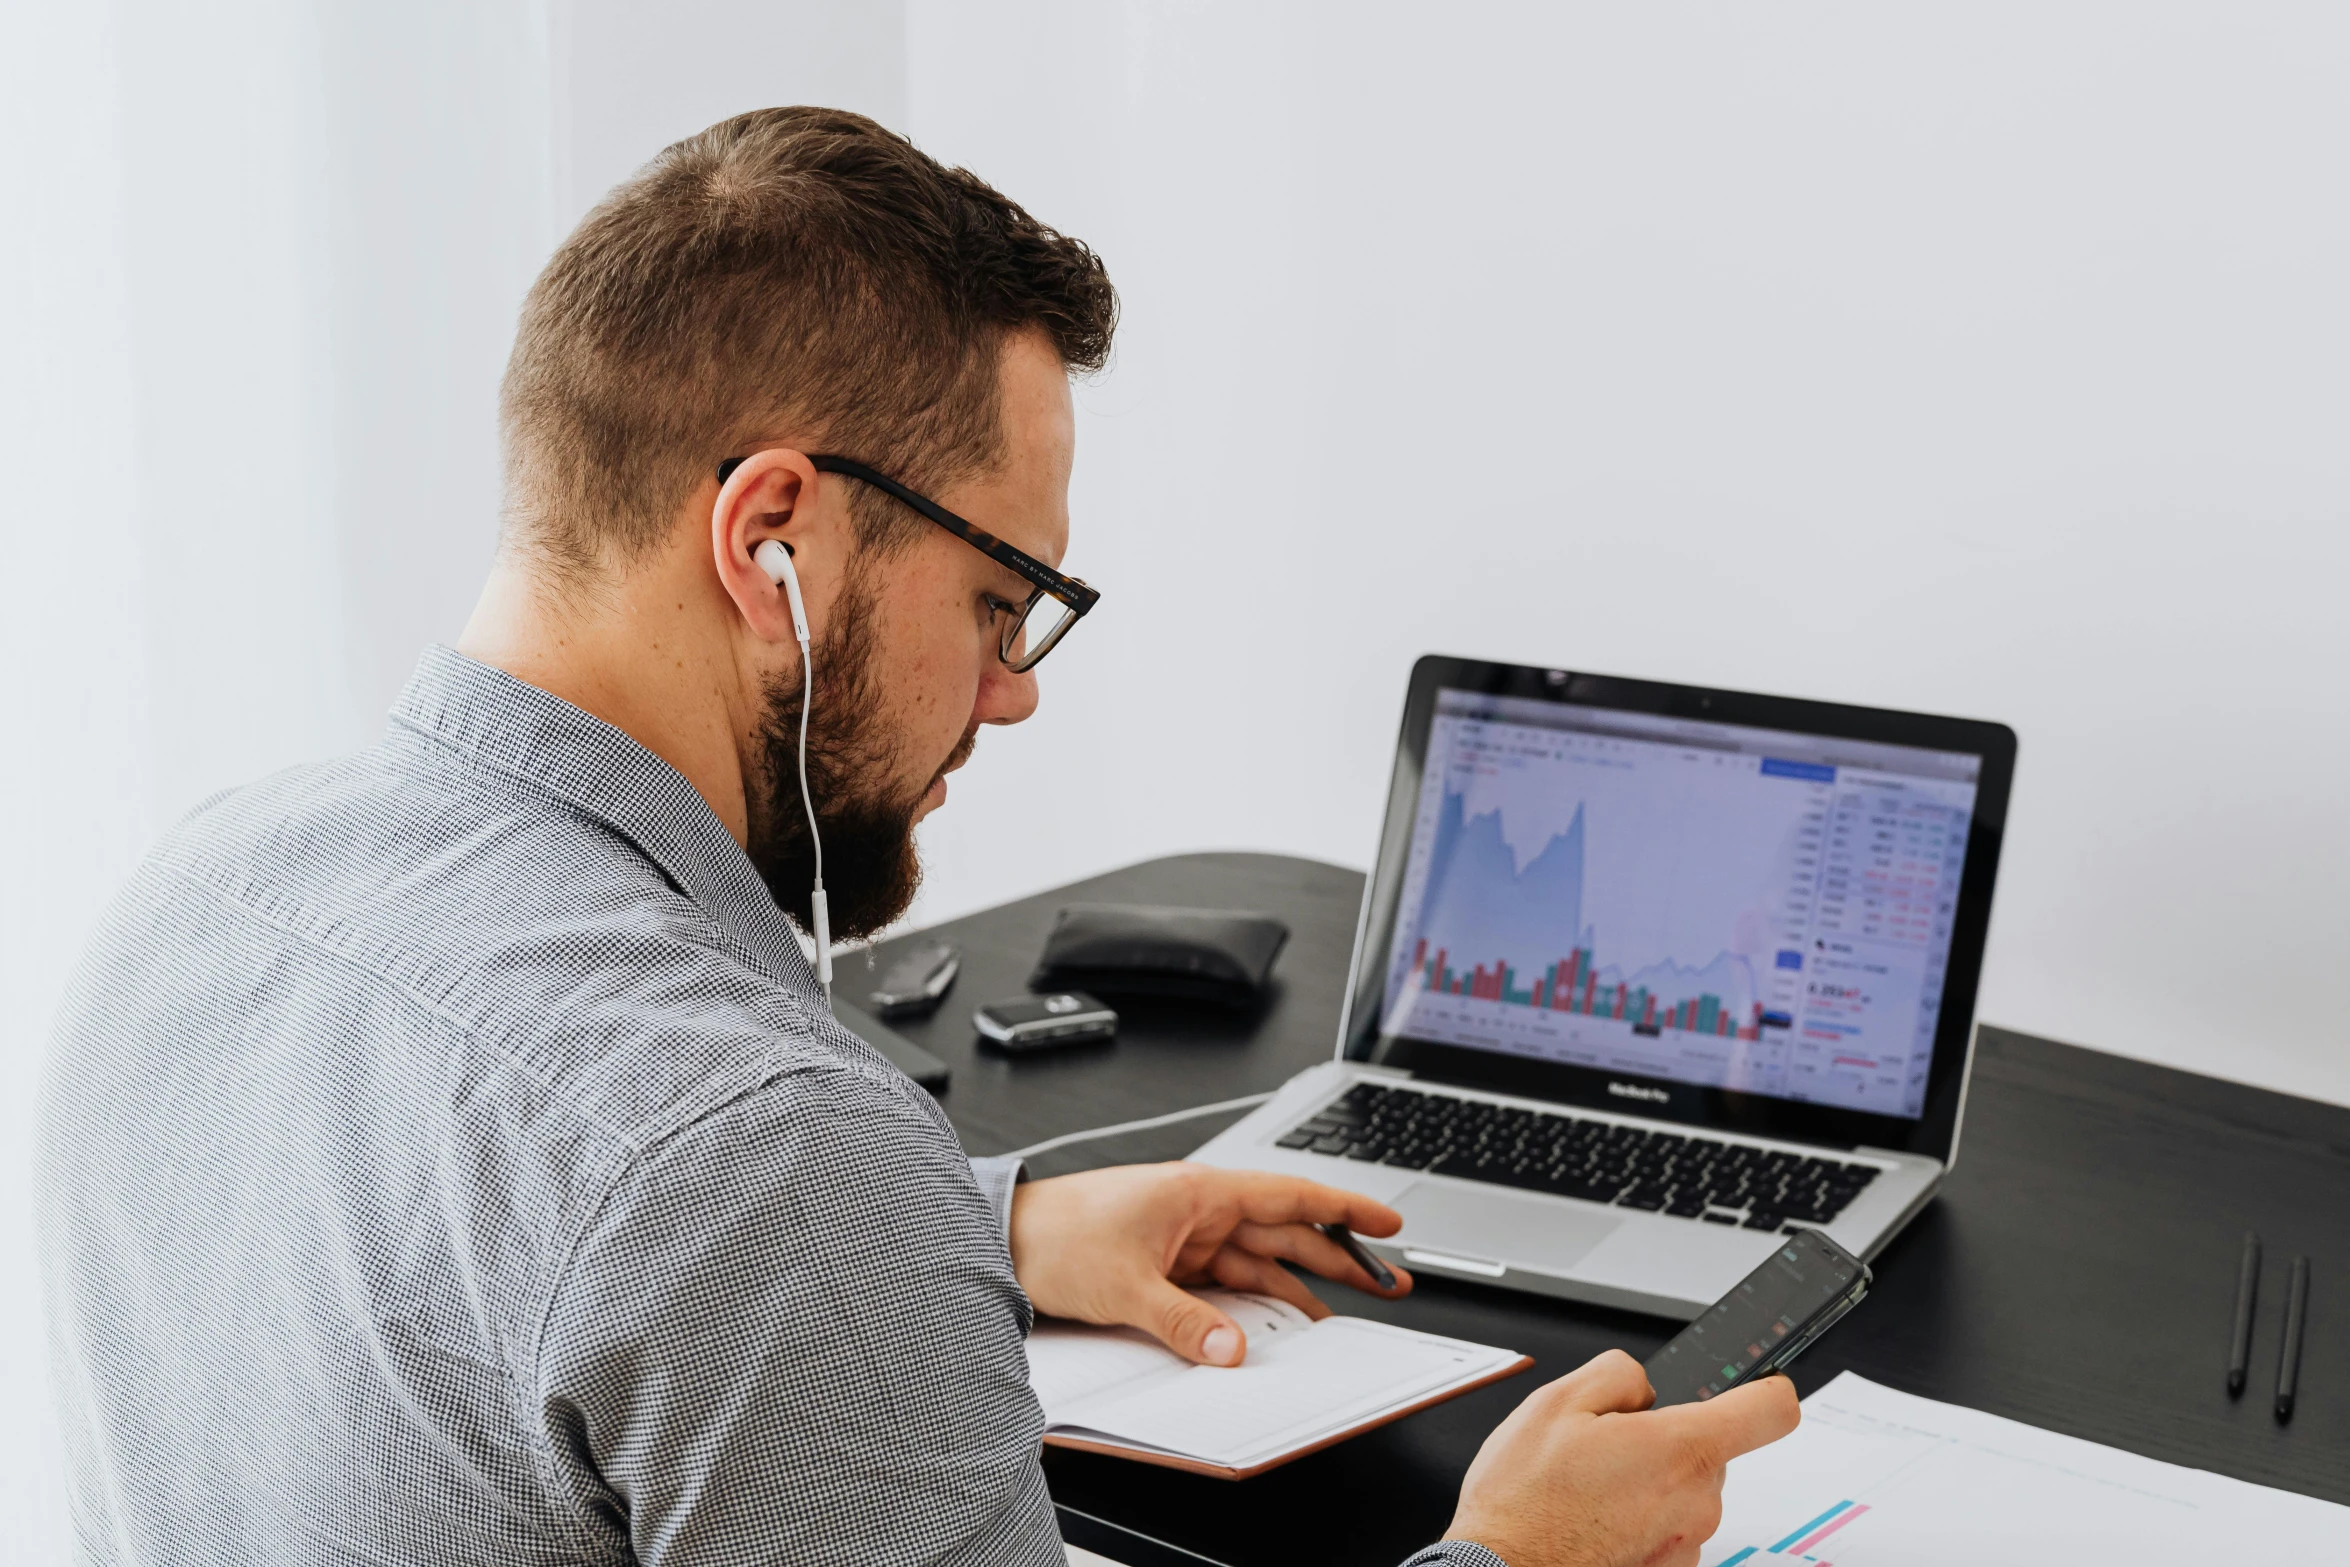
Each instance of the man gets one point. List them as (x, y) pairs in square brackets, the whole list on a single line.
[(449, 1155)]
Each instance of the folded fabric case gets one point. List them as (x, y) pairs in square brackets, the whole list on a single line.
[(1140, 950)]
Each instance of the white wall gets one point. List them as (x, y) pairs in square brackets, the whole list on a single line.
[(1982, 359), (1985, 360), (62, 399), (630, 78)]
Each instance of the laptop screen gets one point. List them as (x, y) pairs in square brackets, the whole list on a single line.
[(1738, 908)]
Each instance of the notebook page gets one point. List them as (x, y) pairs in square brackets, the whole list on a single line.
[(1069, 1362), (1292, 1392)]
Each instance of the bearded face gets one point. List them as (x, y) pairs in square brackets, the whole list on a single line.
[(867, 796)]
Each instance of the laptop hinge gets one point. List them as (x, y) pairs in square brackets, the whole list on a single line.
[(1396, 1072)]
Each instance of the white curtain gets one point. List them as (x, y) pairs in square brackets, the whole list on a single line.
[(259, 270)]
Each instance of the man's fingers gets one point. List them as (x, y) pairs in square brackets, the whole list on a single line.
[(1365, 1217), (1238, 1270), (1609, 1384), (1309, 1248), (1742, 1419), (1188, 1325), (1292, 1199)]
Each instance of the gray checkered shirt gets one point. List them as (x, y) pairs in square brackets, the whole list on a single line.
[(448, 1157)]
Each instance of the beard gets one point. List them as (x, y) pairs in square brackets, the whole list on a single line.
[(871, 867)]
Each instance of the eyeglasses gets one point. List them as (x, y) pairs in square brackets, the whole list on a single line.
[(1031, 627)]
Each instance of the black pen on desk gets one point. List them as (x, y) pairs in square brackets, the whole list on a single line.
[(2296, 1318), (2247, 1293), (1381, 1274)]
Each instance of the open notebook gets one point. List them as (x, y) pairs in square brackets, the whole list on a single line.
[(1304, 1385)]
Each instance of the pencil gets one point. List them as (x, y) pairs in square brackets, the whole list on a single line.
[(2247, 1292), (2296, 1317)]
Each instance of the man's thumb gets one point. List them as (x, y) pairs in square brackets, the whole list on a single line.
[(1191, 1327)]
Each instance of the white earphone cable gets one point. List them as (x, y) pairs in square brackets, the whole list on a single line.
[(807, 801), (1244, 1102), (774, 557), (822, 916)]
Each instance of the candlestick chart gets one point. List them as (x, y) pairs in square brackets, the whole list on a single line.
[(1493, 931)]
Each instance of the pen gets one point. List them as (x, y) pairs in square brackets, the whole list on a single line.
[(1379, 1271), (2289, 1359), (2247, 1292)]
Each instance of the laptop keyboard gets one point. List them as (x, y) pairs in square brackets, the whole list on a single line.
[(1695, 1178)]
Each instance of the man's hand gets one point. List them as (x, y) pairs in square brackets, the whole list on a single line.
[(1584, 1474), (1114, 1246)]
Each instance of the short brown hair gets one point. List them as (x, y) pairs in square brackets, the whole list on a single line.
[(788, 270)]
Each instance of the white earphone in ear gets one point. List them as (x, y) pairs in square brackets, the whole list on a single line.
[(774, 558)]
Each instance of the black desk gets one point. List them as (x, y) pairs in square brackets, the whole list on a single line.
[(2078, 1271)]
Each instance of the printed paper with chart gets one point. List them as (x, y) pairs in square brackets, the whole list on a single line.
[(1875, 1478)]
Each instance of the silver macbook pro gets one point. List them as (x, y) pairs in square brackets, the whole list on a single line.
[(1648, 975)]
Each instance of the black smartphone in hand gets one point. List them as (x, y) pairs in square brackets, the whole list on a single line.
[(1759, 1328)]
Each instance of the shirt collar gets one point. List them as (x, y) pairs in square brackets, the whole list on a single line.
[(513, 727)]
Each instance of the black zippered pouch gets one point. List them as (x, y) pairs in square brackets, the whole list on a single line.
[(1128, 949)]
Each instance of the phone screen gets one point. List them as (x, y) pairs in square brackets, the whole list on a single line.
[(1760, 1326)]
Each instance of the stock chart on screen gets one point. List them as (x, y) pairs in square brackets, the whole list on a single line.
[(1698, 903)]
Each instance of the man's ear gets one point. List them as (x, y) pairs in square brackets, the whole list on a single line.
[(770, 495)]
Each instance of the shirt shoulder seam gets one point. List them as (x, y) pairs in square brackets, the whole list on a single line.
[(310, 941)]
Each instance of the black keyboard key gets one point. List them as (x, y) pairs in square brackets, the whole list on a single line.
[(1646, 1198), (1760, 1220), (1720, 1218), (1336, 1142), (1300, 1138), (1685, 1207)]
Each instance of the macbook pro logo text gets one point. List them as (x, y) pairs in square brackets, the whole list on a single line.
[(1655, 1096)]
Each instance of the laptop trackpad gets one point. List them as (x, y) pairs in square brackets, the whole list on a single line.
[(1499, 1225)]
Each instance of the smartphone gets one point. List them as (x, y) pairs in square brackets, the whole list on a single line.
[(913, 984), (1761, 1326), (1067, 1017)]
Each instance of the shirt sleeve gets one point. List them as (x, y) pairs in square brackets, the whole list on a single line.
[(792, 1334), (997, 1174)]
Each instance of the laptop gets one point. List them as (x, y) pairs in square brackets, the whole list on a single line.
[(1649, 975)]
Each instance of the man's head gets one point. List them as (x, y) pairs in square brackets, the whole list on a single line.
[(790, 283)]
